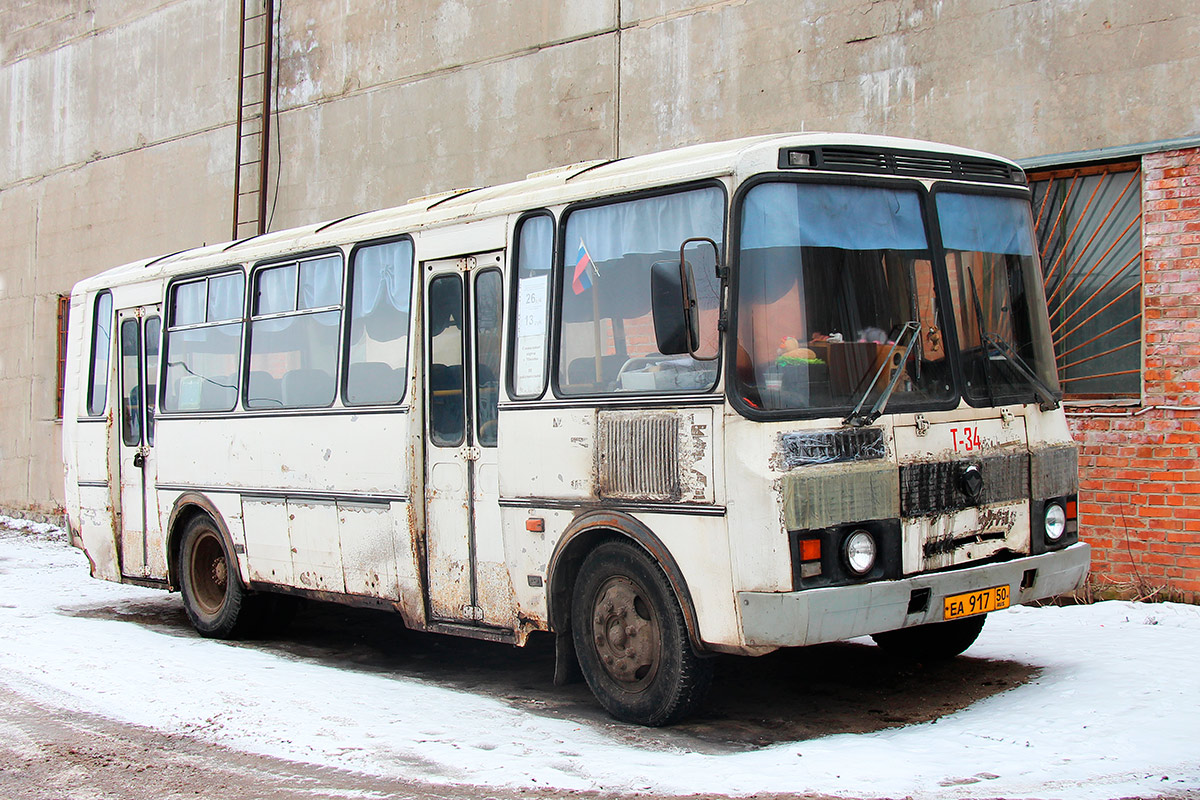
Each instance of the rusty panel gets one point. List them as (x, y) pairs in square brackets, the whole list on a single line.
[(268, 548), (367, 535), (930, 488), (637, 456), (957, 538), (316, 554), (822, 496), (1054, 471)]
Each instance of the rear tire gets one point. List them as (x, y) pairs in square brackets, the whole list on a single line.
[(938, 641), (216, 603), (631, 638)]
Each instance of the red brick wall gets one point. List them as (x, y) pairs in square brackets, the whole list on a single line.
[(1140, 466)]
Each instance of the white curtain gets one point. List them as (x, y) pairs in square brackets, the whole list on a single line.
[(648, 225), (382, 275)]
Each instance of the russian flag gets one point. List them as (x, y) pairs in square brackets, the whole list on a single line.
[(582, 281)]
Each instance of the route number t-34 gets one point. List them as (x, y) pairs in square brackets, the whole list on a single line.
[(966, 439)]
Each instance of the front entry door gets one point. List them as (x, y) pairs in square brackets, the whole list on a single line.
[(465, 568), (139, 331)]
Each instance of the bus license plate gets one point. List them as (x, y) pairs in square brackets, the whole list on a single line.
[(971, 603)]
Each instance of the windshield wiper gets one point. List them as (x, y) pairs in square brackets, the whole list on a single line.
[(1006, 350), (983, 335), (856, 418)]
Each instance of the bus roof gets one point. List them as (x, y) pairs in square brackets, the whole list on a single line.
[(547, 188)]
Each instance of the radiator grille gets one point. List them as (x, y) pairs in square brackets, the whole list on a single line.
[(638, 456), (927, 489), (1054, 471), (832, 447)]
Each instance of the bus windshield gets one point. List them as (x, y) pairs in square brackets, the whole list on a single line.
[(829, 278), (997, 295)]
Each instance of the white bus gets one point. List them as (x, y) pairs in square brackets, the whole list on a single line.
[(723, 399)]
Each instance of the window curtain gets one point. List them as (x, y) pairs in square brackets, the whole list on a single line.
[(822, 215), (648, 225), (978, 223)]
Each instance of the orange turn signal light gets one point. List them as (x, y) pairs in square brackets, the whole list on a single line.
[(810, 549)]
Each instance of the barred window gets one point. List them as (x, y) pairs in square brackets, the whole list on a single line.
[(1089, 233), (64, 312)]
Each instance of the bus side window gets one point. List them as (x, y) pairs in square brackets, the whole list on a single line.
[(489, 295), (535, 259), (447, 414), (131, 383), (377, 344), (203, 343), (607, 342), (294, 334), (153, 334), (101, 347)]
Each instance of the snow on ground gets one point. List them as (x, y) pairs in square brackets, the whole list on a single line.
[(1113, 713)]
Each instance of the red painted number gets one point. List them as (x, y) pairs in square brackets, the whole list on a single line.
[(966, 439)]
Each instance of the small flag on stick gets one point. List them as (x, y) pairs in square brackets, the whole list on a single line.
[(582, 281)]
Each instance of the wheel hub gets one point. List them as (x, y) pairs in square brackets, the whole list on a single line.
[(626, 633), (210, 573)]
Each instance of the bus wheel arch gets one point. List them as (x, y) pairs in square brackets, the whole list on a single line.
[(188, 506), (204, 567), (586, 532), (620, 611)]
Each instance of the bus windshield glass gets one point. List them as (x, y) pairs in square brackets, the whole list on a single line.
[(830, 277), (999, 304)]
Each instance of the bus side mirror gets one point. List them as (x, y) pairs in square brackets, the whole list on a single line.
[(672, 298)]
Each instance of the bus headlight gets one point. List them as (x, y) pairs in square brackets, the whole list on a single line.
[(859, 550), (1056, 522)]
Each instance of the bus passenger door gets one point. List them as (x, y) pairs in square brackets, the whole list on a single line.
[(141, 548), (464, 548)]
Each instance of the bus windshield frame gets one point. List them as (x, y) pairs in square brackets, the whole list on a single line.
[(818, 324), (996, 290), (832, 272)]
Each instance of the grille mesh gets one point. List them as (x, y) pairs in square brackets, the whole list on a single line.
[(638, 456), (927, 489)]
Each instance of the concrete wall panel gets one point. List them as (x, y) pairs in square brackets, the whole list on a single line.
[(1022, 79), (492, 122), (148, 202), (170, 72), (332, 49)]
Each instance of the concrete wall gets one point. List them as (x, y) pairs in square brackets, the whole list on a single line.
[(119, 114)]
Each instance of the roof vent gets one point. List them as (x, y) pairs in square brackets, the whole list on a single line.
[(891, 161)]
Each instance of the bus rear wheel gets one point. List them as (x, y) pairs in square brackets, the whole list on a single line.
[(213, 596), (937, 641), (631, 638)]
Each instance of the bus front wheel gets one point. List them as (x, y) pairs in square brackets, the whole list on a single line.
[(937, 641), (631, 638), (213, 596)]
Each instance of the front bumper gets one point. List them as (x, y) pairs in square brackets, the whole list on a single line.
[(789, 619)]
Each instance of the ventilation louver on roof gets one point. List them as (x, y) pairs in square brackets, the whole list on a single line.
[(900, 162)]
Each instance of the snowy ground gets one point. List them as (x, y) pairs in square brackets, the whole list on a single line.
[(1113, 712)]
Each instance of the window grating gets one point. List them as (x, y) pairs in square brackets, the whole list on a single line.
[(1089, 234), (64, 311)]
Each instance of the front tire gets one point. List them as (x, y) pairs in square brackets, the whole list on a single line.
[(631, 638), (938, 641), (213, 596)]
